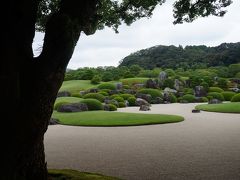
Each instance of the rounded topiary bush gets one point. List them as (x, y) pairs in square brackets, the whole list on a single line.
[(121, 104), (236, 98), (228, 95), (216, 95), (203, 99), (97, 96), (173, 98), (132, 101), (126, 96), (110, 107), (215, 89), (114, 96), (58, 104), (119, 99), (153, 92), (189, 98), (103, 93), (188, 91), (93, 104), (107, 86)]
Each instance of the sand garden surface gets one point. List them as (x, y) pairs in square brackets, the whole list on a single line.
[(204, 146)]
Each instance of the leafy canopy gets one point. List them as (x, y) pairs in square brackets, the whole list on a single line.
[(112, 13)]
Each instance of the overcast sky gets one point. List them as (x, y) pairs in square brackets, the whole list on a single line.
[(106, 48)]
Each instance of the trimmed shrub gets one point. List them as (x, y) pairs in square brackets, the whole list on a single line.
[(121, 104), (57, 105), (126, 87), (189, 98), (132, 101), (96, 79), (103, 93), (107, 86), (97, 96), (105, 90), (216, 95), (126, 96), (153, 92), (236, 98), (77, 95), (228, 95), (114, 96), (110, 107), (215, 89), (93, 104), (188, 91), (204, 99), (119, 99), (179, 99), (173, 98)]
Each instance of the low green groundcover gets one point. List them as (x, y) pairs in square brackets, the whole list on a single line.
[(106, 118), (67, 174), (224, 107)]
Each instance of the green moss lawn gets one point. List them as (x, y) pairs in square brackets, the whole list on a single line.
[(75, 86), (106, 118), (224, 107)]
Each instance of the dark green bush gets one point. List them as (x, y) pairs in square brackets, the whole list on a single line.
[(112, 107), (228, 95), (57, 105), (179, 99), (236, 98), (215, 89), (97, 96), (114, 96), (132, 101), (103, 93), (153, 92), (119, 99), (173, 98), (96, 79), (188, 91), (93, 104), (107, 86), (189, 98), (126, 96), (126, 87), (204, 99), (216, 95), (121, 104)]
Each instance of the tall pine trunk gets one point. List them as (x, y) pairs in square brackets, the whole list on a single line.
[(29, 85)]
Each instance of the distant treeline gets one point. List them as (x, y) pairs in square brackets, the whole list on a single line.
[(194, 57)]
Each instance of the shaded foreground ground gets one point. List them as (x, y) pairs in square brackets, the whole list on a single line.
[(204, 146)]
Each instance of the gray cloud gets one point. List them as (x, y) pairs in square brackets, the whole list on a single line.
[(105, 48)]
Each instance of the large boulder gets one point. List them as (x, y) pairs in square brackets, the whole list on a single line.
[(199, 91), (73, 107), (93, 90), (144, 108), (151, 84), (146, 97), (214, 101), (140, 101)]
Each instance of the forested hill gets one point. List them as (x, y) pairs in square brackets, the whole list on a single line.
[(188, 57)]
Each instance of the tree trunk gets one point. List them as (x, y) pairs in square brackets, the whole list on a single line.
[(29, 85)]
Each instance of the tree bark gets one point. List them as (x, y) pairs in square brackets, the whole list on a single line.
[(30, 85)]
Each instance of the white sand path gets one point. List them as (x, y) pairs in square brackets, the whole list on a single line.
[(206, 146)]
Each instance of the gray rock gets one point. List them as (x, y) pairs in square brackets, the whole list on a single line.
[(195, 111), (119, 86), (199, 91), (63, 94), (93, 90), (140, 101), (151, 84), (73, 107), (146, 97), (53, 121), (214, 101), (144, 108)]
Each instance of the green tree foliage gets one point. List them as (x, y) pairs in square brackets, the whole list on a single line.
[(234, 69), (96, 79), (194, 57)]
